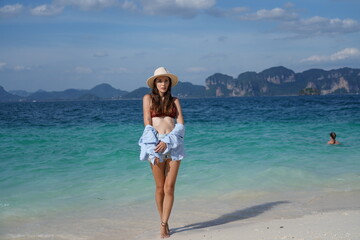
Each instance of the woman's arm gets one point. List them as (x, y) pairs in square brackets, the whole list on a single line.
[(146, 109), (180, 117)]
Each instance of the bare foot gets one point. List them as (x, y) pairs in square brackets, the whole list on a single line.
[(164, 230), (168, 229)]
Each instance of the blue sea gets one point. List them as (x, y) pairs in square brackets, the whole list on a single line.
[(71, 170)]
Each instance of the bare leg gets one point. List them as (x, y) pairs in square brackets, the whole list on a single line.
[(158, 171), (172, 168), (159, 177), (165, 174)]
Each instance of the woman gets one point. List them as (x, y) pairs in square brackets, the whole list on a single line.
[(162, 140), (333, 139)]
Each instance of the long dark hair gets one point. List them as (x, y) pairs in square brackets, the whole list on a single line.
[(161, 105), (333, 136)]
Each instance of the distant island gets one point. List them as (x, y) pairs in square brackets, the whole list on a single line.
[(275, 81)]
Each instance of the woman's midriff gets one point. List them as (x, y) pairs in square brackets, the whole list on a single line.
[(163, 125)]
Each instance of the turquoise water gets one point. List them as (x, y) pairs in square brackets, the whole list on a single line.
[(58, 157)]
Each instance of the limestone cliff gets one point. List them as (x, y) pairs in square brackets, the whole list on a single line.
[(279, 81)]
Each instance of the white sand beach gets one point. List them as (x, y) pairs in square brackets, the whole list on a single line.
[(323, 215), (328, 216), (336, 225)]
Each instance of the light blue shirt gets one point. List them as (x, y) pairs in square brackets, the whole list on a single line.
[(174, 144)]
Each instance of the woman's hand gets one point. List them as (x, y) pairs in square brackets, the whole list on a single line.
[(161, 147)]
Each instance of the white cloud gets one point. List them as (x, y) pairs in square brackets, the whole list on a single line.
[(101, 54), (273, 14), (314, 26), (2, 65), (57, 6), (21, 68), (185, 8), (9, 10), (18, 68), (345, 53), (46, 10), (195, 69), (197, 4), (338, 56), (86, 4), (128, 5), (322, 26), (83, 70), (217, 12)]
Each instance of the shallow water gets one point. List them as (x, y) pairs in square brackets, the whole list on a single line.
[(71, 158)]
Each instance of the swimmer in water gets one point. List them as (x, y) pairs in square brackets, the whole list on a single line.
[(333, 139)]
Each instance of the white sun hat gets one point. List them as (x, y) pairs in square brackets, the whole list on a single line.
[(161, 71)]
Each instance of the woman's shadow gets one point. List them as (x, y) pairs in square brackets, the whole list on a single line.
[(232, 217)]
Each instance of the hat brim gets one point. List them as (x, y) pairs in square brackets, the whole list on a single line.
[(174, 79)]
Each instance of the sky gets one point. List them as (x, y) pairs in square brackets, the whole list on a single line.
[(55, 45)]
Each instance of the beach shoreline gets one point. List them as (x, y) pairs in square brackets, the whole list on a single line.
[(326, 215), (336, 225)]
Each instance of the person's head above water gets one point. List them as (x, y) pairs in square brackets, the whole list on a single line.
[(333, 139), (333, 135)]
